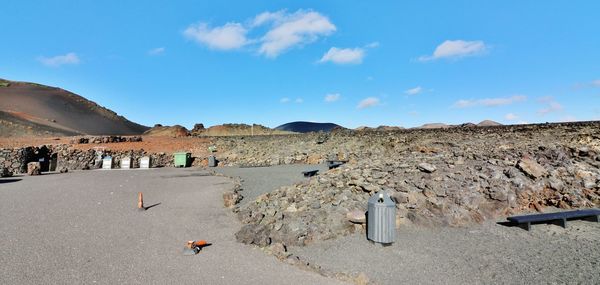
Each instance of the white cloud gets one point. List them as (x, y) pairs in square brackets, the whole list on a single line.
[(456, 49), (284, 100), (266, 17), (414, 91), (490, 102), (511, 117), (332, 97), (56, 61), (344, 55), (522, 122), (368, 102), (226, 37), (596, 83), (293, 29), (568, 118), (299, 101), (285, 30), (156, 51)]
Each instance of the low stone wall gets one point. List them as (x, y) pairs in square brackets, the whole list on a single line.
[(15, 160)]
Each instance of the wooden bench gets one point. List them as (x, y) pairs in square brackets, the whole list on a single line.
[(310, 173), (558, 218), (331, 164)]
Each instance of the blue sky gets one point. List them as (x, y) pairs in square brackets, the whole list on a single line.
[(354, 63)]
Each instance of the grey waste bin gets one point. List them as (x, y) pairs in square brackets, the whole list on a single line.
[(212, 161), (381, 218)]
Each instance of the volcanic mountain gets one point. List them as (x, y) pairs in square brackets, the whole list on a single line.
[(34, 109), (306, 127)]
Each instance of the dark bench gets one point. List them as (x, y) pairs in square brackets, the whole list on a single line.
[(331, 164), (558, 218), (310, 173)]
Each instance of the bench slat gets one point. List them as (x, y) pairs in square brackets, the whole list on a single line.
[(554, 216)]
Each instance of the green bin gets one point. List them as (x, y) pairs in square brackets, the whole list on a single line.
[(182, 159)]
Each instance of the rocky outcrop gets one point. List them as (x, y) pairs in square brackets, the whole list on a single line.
[(175, 131), (456, 177), (105, 139)]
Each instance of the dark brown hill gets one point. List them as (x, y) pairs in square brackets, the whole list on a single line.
[(34, 109)]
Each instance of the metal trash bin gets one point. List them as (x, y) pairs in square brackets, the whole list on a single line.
[(182, 159), (107, 162), (381, 218), (212, 161)]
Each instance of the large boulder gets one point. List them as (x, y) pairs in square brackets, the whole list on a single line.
[(531, 168), (34, 168)]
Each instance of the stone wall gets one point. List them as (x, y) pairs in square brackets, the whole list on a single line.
[(15, 160)]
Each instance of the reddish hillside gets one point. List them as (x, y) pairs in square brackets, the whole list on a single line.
[(30, 108)]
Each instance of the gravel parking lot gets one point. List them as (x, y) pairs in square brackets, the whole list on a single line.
[(83, 228)]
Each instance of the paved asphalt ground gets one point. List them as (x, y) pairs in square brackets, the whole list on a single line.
[(83, 228), (260, 180)]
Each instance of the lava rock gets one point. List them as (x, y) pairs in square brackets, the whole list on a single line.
[(426, 167), (34, 168), (531, 168)]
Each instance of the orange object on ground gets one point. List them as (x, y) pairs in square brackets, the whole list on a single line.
[(198, 243), (140, 200)]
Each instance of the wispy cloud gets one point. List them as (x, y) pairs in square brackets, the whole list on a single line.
[(227, 37), (511, 117), (456, 49), (372, 45), (286, 100), (291, 29), (56, 61), (368, 103), (596, 83), (489, 102), (332, 97), (550, 105), (344, 55), (156, 51), (414, 91)]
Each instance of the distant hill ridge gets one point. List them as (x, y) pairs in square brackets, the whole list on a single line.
[(306, 127), (35, 109)]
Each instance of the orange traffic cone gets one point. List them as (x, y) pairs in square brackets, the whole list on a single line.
[(141, 201)]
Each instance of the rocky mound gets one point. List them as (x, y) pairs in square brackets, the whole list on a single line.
[(235, 130), (175, 131), (452, 178), (30, 108), (488, 123), (435, 126), (306, 127)]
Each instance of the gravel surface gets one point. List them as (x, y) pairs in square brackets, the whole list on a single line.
[(260, 180), (484, 254), (487, 254), (83, 228)]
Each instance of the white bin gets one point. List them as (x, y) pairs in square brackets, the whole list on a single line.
[(107, 162), (145, 162), (126, 162)]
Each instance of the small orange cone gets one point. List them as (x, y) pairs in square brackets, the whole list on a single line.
[(140, 201)]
